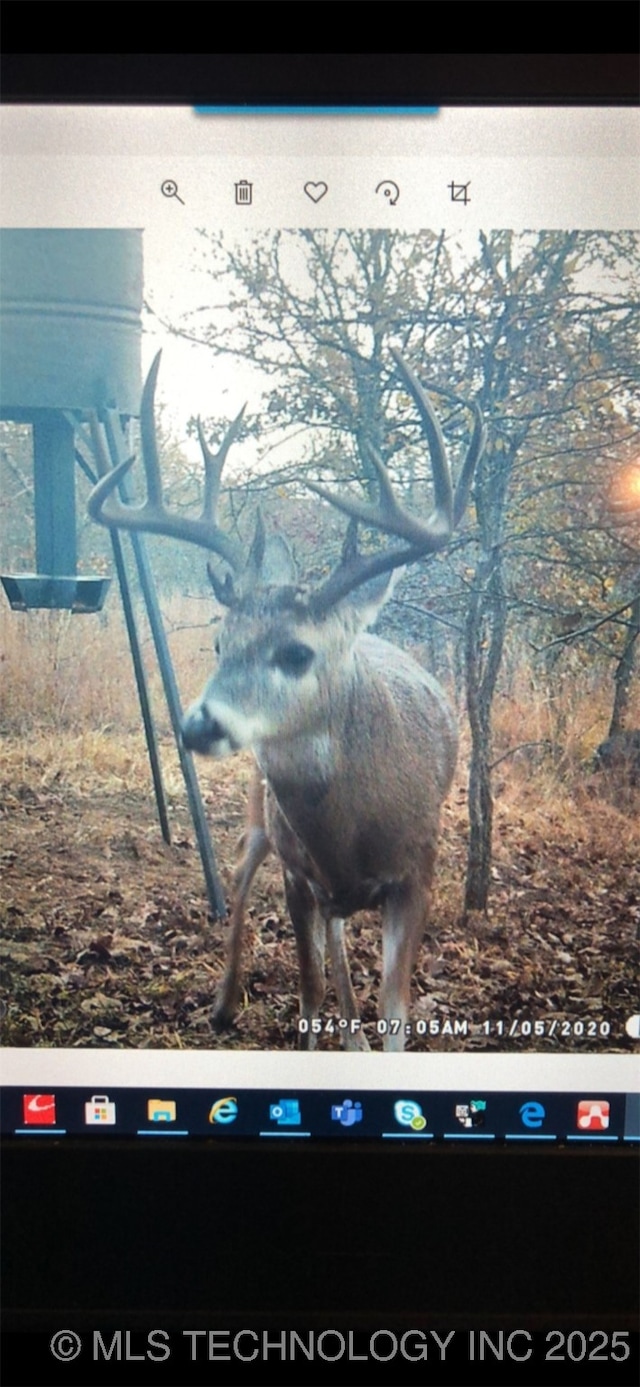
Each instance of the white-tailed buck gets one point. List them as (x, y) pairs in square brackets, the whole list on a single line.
[(355, 743)]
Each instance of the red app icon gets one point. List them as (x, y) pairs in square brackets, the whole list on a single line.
[(39, 1109), (593, 1115)]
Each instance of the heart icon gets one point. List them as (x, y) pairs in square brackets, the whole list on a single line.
[(316, 191)]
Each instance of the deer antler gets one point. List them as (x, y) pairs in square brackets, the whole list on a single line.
[(421, 536), (106, 508)]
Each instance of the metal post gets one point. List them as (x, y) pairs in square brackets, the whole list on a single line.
[(54, 493), (138, 669), (141, 684), (214, 888)]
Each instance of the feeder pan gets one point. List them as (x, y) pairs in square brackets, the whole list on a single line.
[(27, 591)]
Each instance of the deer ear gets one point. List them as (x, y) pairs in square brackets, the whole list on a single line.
[(366, 601)]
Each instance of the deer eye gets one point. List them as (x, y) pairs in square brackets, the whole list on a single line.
[(216, 647), (293, 658)]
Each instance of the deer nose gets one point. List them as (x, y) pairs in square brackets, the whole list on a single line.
[(200, 730)]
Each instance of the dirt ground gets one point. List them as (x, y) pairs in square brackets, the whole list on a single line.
[(106, 940)]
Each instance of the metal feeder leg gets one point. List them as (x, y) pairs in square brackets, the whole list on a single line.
[(213, 884), (138, 668)]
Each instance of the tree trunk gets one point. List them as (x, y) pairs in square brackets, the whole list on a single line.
[(624, 670), (484, 641)]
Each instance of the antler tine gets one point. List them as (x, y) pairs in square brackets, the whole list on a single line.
[(355, 568), (102, 491), (148, 437), (442, 488), (389, 516), (421, 537), (214, 463), (474, 452), (106, 508)]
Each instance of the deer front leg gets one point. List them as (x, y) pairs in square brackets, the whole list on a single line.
[(227, 1000), (310, 932), (351, 1039), (404, 920)]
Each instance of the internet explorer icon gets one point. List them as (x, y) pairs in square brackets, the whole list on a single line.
[(532, 1114)]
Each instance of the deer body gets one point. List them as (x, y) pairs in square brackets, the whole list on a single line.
[(366, 818), (357, 752), (355, 743), (366, 809)]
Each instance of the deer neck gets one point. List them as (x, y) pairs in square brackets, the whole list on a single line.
[(306, 766)]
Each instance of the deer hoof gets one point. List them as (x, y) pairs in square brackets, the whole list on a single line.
[(223, 1014)]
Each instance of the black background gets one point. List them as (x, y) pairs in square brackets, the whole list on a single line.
[(122, 1236), (332, 78)]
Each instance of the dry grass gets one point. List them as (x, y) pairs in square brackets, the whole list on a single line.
[(561, 715), (69, 673), (69, 706)]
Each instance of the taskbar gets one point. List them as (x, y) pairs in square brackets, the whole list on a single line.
[(413, 1116)]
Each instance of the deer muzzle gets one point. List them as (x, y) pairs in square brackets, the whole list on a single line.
[(201, 732)]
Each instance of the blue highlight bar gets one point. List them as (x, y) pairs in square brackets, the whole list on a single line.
[(409, 1136), (316, 110), (160, 1132), (40, 1132), (286, 1135), (530, 1136), (594, 1137), (469, 1136)]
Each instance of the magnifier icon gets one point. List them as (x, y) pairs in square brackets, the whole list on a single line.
[(170, 189)]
